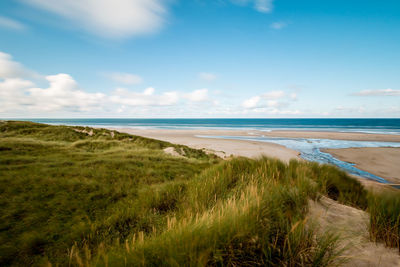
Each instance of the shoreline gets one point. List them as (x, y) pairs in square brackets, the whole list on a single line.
[(380, 162)]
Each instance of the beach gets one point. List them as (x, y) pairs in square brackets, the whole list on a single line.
[(379, 161), (221, 147)]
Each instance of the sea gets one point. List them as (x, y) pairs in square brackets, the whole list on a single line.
[(383, 126), (309, 148)]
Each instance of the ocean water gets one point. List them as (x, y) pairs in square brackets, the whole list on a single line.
[(310, 149), (385, 126)]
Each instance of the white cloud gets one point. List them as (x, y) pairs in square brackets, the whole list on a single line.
[(380, 92), (278, 25), (272, 102), (146, 98), (11, 24), (12, 94), (251, 102), (63, 94), (125, 78), (206, 76), (350, 110), (264, 6), (11, 69), (113, 19), (200, 95), (19, 95)]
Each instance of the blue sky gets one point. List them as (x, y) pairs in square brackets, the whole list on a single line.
[(220, 58)]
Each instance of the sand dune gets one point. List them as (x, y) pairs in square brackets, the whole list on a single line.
[(350, 223), (352, 226)]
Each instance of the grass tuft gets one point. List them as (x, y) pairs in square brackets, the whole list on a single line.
[(384, 209)]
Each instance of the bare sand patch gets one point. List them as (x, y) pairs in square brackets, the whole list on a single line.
[(352, 226), (172, 151)]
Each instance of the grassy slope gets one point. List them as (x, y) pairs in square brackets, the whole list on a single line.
[(67, 197), (59, 186)]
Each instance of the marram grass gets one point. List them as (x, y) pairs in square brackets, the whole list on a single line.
[(93, 197), (60, 186), (384, 209)]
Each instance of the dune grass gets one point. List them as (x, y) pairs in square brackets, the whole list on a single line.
[(94, 197), (239, 213), (384, 209), (60, 186)]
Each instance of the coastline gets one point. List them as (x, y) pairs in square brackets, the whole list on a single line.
[(373, 160)]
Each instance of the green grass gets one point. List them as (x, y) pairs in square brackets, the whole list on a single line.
[(235, 213), (113, 199), (59, 186), (384, 209)]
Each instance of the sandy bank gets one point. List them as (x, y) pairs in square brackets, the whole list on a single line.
[(221, 147), (352, 226), (381, 161), (335, 135)]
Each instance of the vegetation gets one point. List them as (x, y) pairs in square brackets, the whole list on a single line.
[(241, 212), (384, 209), (82, 196), (63, 185)]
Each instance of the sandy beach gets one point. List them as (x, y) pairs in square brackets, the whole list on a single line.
[(222, 147), (379, 161), (335, 135)]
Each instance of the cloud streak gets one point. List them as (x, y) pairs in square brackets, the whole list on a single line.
[(278, 25), (110, 19), (125, 78), (263, 6), (379, 92), (11, 24)]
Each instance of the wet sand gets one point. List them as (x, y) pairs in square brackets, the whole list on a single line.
[(381, 161), (335, 135)]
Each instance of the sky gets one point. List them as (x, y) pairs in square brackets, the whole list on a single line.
[(199, 58)]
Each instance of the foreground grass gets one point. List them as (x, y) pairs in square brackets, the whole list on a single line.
[(384, 209), (60, 186), (81, 196), (238, 213)]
